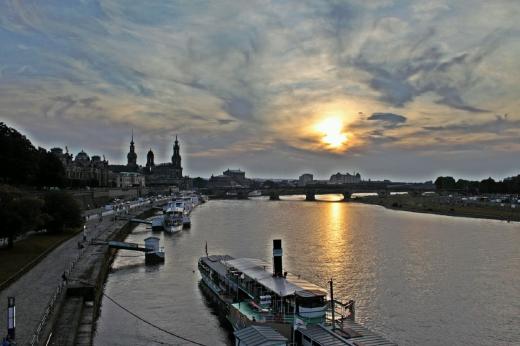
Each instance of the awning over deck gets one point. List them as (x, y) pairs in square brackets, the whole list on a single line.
[(351, 334), (259, 336), (262, 272)]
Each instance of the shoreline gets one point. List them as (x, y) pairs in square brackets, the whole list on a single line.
[(425, 205)]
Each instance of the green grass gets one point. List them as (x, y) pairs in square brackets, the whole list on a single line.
[(431, 205), (28, 250)]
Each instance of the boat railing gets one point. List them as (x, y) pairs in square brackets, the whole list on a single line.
[(341, 310)]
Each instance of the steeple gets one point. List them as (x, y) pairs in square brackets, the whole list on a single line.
[(132, 156), (150, 158), (176, 158)]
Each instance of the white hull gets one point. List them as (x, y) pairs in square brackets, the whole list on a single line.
[(172, 229)]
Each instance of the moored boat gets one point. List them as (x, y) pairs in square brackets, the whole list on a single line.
[(251, 292), (157, 223)]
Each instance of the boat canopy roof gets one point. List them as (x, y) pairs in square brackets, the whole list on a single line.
[(259, 336), (355, 333), (261, 272)]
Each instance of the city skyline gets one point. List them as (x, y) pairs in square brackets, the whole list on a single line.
[(404, 91)]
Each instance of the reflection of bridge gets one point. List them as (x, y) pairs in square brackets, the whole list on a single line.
[(310, 191)]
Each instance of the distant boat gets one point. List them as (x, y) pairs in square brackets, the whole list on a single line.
[(255, 193), (186, 221), (157, 223), (171, 222)]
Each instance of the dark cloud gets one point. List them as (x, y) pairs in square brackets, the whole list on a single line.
[(388, 117), (225, 121), (426, 71), (240, 108), (500, 124), (451, 98), (89, 101)]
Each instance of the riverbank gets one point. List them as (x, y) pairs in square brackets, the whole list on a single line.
[(432, 205), (27, 253), (75, 321)]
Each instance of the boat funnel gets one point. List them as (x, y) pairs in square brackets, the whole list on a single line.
[(277, 257)]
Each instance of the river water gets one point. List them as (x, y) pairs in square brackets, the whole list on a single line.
[(417, 279)]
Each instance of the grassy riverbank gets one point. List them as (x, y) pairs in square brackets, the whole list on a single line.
[(28, 252), (432, 205)]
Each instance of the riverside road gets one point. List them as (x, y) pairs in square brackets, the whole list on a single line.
[(35, 288)]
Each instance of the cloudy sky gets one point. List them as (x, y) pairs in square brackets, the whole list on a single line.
[(399, 89)]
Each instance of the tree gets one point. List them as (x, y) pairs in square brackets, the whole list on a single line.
[(489, 186), (63, 211), (19, 212), (18, 156), (50, 169), (200, 183), (445, 183)]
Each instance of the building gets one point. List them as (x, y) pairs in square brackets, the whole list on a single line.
[(160, 175), (83, 170), (230, 178), (305, 179), (236, 174), (166, 174), (346, 178), (221, 181), (130, 179)]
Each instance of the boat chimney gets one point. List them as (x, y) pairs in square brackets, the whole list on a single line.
[(277, 257)]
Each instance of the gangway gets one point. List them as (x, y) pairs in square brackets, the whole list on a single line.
[(141, 221), (121, 245), (152, 252)]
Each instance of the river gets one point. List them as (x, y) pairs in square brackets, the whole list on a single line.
[(417, 279)]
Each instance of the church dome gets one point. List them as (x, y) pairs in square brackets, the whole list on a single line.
[(82, 156), (150, 153)]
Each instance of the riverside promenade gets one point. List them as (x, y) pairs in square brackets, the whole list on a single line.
[(34, 289)]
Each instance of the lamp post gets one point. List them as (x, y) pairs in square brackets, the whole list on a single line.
[(332, 304)]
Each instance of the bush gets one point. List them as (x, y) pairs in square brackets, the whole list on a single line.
[(62, 211), (19, 212)]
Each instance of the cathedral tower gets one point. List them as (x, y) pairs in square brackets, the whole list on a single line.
[(149, 159), (132, 156), (176, 159)]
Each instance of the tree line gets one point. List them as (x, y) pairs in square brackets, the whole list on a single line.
[(23, 165), (22, 212), (508, 186)]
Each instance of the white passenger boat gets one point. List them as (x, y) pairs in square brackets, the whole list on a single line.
[(171, 223)]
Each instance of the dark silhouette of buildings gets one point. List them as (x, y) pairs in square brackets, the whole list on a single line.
[(83, 170)]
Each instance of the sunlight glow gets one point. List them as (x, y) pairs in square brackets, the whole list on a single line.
[(332, 131)]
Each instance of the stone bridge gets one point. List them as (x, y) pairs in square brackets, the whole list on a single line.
[(310, 191)]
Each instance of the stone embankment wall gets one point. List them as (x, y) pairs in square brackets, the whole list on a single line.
[(97, 197), (74, 323)]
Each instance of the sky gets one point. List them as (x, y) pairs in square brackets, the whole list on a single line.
[(401, 90)]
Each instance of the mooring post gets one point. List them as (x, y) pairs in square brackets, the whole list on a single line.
[(11, 318)]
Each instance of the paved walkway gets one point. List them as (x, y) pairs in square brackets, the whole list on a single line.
[(35, 288)]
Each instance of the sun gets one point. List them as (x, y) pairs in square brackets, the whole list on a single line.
[(332, 132)]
